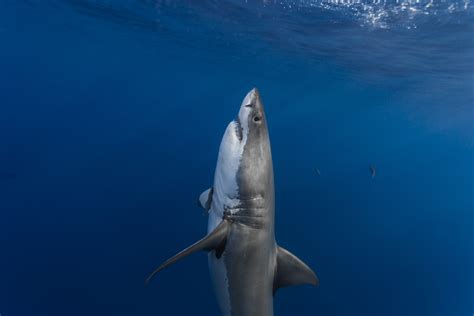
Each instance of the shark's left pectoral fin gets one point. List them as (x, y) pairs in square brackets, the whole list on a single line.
[(214, 240), (290, 270)]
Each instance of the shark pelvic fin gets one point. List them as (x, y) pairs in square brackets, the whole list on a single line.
[(214, 240), (290, 270), (205, 199)]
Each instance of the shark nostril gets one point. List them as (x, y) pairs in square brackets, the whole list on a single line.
[(248, 105)]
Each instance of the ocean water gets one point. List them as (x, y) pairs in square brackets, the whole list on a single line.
[(111, 115)]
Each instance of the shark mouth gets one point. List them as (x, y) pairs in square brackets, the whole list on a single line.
[(238, 129)]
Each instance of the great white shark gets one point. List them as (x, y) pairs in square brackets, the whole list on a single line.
[(246, 264)]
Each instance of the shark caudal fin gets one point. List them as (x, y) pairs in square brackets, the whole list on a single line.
[(290, 270), (213, 241)]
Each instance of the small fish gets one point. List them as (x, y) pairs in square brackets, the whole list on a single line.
[(318, 172), (373, 171)]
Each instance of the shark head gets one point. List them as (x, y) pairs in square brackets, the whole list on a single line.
[(244, 167), (255, 174)]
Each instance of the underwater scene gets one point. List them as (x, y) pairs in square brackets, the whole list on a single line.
[(132, 129)]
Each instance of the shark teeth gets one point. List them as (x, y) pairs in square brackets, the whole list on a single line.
[(238, 129)]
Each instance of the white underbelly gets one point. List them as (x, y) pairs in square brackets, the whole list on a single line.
[(218, 271)]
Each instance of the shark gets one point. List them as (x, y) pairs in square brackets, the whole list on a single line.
[(246, 264)]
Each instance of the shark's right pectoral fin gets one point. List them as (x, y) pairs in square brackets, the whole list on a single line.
[(290, 270), (213, 241)]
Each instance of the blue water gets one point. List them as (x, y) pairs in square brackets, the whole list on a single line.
[(111, 114)]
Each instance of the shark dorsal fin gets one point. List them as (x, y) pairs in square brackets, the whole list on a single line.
[(205, 199), (290, 270), (214, 240)]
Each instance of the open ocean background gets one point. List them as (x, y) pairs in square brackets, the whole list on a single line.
[(112, 112)]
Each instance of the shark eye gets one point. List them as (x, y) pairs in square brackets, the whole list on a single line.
[(256, 119)]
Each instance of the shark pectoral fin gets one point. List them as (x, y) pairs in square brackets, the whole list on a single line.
[(214, 240), (205, 199), (291, 271)]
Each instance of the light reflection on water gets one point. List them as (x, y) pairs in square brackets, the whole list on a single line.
[(388, 38)]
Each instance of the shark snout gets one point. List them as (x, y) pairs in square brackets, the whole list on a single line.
[(252, 99), (251, 114)]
